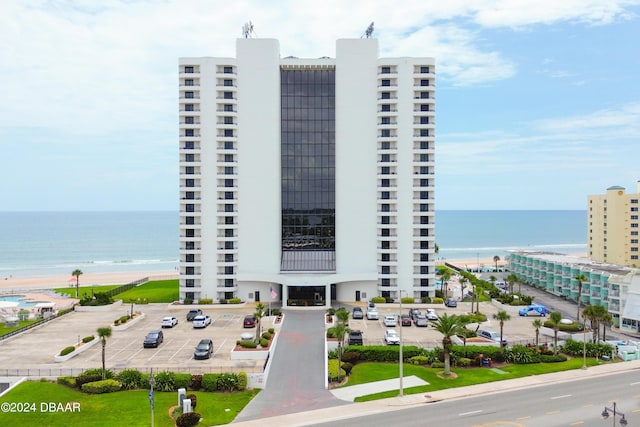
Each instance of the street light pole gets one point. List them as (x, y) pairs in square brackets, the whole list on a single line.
[(605, 415), (400, 357)]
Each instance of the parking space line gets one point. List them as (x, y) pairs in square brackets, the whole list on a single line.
[(179, 350), (220, 347)]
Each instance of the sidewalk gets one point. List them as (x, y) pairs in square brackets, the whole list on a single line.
[(397, 403)]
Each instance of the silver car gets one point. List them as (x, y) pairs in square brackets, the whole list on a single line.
[(421, 320)]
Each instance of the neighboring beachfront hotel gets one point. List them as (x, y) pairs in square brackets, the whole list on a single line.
[(614, 227), (615, 287), (306, 180)]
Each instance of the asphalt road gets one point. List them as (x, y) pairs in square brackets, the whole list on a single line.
[(570, 403)]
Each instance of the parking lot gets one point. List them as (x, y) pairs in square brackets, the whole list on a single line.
[(37, 348), (518, 330)]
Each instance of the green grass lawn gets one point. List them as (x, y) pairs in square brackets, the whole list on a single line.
[(152, 292), (125, 408), (4, 330), (369, 372), (84, 290)]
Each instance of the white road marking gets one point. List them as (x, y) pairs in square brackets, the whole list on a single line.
[(462, 414), (561, 397)]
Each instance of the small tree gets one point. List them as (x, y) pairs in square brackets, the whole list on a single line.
[(340, 330), (501, 316), (448, 326), (463, 281), (511, 280), (554, 320), (259, 314), (496, 258), (76, 273), (103, 334), (537, 324)]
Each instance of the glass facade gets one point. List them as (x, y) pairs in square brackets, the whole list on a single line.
[(308, 166)]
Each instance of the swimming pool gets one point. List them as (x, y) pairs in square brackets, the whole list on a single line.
[(21, 300)]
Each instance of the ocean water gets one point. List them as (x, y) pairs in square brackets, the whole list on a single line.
[(48, 243)]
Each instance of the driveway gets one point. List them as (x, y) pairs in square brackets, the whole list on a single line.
[(297, 375)]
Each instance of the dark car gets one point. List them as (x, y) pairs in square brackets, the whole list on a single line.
[(405, 320), (355, 338), (153, 339), (204, 349), (249, 321), (193, 313), (413, 313), (450, 302), (357, 313)]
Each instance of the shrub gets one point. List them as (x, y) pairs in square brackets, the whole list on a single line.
[(378, 300), (67, 381), (205, 301), (224, 301), (426, 299), (182, 381), (464, 362), (333, 371), (194, 400), (331, 332), (209, 382), (264, 342), (331, 311), (102, 386), (196, 382), (190, 419), (108, 374), (266, 335), (188, 301), (407, 300), (437, 365), (520, 354), (351, 356), (87, 378), (247, 344), (347, 367), (165, 381), (235, 301), (88, 339), (419, 360), (574, 327), (227, 382), (67, 350), (125, 318), (243, 380), (116, 322), (552, 358), (130, 379)]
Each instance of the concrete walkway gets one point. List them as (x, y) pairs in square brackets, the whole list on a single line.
[(351, 392)]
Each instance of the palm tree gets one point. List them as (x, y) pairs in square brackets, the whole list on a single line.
[(554, 320), (448, 326), (463, 281), (607, 320), (580, 278), (445, 275), (511, 280), (103, 334), (76, 273), (342, 315), (501, 316), (537, 324), (496, 258), (259, 314)]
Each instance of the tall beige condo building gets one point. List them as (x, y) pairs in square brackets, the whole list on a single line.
[(613, 226)]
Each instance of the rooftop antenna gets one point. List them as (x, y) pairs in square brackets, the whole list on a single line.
[(247, 30), (368, 31)]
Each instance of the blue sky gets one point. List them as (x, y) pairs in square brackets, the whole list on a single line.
[(538, 102)]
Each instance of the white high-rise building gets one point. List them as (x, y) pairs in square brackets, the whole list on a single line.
[(306, 180)]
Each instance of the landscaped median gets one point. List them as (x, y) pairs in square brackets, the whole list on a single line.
[(73, 350)]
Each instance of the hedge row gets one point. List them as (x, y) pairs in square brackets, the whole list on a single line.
[(131, 379)]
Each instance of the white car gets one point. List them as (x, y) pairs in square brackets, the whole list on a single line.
[(169, 322), (391, 337), (390, 321), (372, 313), (431, 314), (201, 321)]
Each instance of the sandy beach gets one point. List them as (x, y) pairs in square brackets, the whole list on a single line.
[(118, 278), (86, 279)]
